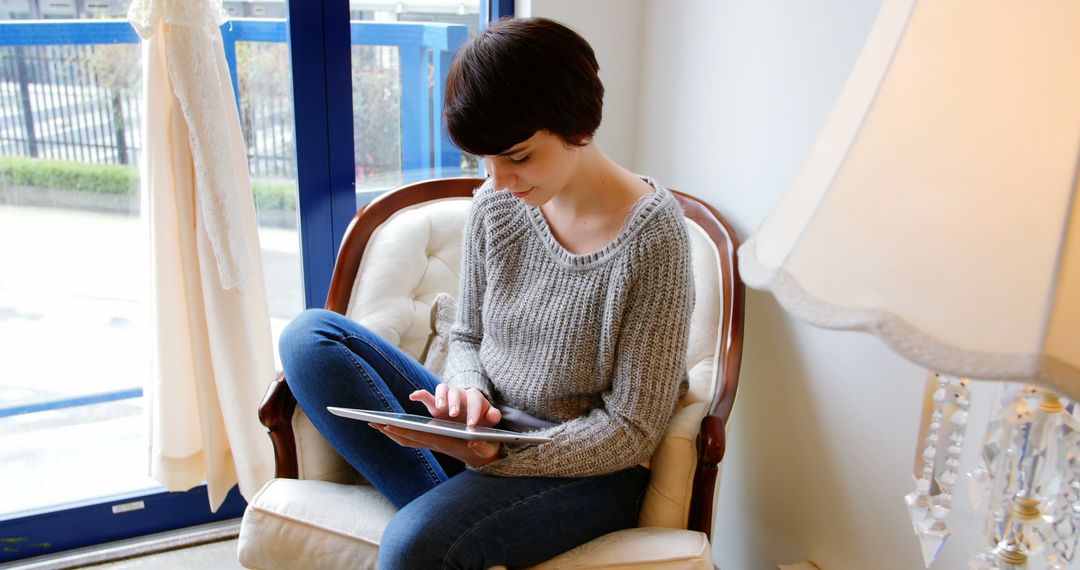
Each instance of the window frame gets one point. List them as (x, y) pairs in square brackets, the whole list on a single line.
[(319, 36), (319, 33)]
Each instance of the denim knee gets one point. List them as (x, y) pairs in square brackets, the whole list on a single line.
[(299, 341), (411, 542), (299, 333), (296, 330)]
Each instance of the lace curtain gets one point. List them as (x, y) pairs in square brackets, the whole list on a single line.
[(212, 344)]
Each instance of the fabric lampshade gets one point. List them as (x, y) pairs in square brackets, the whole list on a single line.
[(939, 208)]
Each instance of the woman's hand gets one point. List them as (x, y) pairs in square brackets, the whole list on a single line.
[(463, 405), (472, 453), (448, 403)]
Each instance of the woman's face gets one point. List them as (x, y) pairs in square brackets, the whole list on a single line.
[(534, 170)]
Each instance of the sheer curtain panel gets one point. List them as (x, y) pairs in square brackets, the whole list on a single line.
[(212, 343)]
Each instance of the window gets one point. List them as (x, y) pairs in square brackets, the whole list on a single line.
[(73, 290), (73, 264)]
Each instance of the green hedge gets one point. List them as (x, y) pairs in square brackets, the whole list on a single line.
[(96, 178), (116, 179), (274, 195)]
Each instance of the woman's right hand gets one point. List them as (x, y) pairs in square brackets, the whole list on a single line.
[(465, 405)]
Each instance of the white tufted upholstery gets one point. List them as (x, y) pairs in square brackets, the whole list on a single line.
[(414, 255), (327, 520)]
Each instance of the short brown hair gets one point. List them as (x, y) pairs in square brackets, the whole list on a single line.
[(520, 76)]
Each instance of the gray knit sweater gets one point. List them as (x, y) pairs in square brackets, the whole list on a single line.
[(595, 342)]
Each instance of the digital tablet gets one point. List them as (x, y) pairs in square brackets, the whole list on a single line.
[(432, 425)]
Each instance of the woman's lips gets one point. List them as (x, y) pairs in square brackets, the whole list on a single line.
[(522, 194)]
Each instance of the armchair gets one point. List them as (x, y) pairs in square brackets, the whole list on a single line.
[(398, 253)]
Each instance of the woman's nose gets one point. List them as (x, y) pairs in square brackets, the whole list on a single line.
[(501, 176)]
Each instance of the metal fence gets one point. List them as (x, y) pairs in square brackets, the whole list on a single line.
[(70, 90), (266, 108), (54, 104)]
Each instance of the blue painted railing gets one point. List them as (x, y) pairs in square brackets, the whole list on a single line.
[(71, 402), (422, 47)]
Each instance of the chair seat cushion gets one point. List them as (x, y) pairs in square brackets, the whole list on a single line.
[(313, 524), (638, 548), (316, 524)]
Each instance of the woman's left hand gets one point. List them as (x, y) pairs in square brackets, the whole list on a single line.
[(473, 453)]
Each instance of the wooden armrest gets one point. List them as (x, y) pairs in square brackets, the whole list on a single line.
[(711, 444), (276, 412)]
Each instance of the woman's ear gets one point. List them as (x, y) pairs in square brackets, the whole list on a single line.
[(579, 140)]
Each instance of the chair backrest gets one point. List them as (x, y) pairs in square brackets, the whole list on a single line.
[(405, 247)]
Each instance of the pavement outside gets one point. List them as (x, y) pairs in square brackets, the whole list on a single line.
[(73, 322)]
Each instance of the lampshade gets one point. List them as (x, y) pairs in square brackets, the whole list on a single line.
[(939, 208)]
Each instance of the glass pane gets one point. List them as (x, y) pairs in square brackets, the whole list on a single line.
[(74, 264), (266, 119), (73, 271), (397, 91)]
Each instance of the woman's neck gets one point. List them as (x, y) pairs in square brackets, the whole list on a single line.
[(598, 186), (590, 211)]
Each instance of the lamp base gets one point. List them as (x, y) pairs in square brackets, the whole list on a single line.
[(1028, 480)]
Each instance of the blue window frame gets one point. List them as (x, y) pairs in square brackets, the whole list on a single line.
[(322, 94), (320, 37), (492, 10), (119, 518)]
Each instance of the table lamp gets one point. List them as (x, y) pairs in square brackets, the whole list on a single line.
[(939, 210)]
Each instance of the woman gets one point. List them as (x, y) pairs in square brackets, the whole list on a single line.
[(574, 308)]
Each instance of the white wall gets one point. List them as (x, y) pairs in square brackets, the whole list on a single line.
[(825, 423), (730, 95), (614, 29)]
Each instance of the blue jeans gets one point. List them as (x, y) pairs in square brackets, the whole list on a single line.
[(448, 517)]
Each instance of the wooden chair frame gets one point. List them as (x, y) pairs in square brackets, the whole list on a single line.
[(278, 405)]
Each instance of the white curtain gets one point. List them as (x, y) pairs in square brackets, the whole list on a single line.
[(213, 356)]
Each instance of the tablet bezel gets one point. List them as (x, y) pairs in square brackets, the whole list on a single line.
[(436, 426)]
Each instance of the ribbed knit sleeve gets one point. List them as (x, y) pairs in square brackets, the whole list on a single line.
[(654, 298), (464, 368)]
